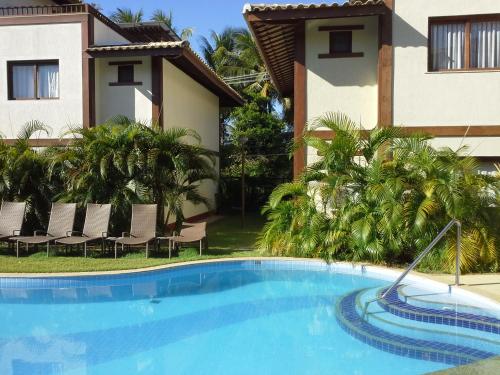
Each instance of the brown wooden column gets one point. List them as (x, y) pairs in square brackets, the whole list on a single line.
[(88, 73), (385, 68), (157, 90), (300, 97)]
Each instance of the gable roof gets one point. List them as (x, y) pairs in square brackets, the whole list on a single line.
[(180, 54), (274, 29), (149, 32)]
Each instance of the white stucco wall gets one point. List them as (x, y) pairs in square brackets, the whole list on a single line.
[(187, 104), (343, 84), (43, 42), (445, 98), (103, 35), (131, 101), (348, 85)]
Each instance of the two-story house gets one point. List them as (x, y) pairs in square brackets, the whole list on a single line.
[(66, 64), (428, 66)]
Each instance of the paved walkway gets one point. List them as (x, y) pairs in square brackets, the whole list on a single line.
[(487, 284)]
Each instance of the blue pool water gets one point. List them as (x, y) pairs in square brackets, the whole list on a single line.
[(223, 318)]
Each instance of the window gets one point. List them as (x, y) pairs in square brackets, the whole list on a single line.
[(340, 41), (464, 44), (33, 80), (126, 74)]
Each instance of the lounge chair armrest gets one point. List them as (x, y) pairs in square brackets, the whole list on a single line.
[(69, 233), (38, 232), (124, 234), (189, 224), (104, 234), (16, 232)]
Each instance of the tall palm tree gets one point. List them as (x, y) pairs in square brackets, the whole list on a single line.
[(160, 15), (220, 51), (127, 15)]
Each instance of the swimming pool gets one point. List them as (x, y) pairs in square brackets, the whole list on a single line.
[(239, 317)]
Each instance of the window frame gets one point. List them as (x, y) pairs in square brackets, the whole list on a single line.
[(336, 29), (36, 66), (467, 21), (120, 64)]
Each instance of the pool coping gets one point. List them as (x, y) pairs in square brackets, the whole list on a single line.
[(382, 272)]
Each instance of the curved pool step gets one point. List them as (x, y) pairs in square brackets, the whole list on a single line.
[(393, 304), (386, 321), (352, 321)]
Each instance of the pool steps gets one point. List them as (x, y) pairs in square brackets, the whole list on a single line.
[(395, 325)]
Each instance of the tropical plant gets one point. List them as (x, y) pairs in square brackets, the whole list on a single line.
[(381, 196), (127, 15), (159, 15), (24, 176), (124, 162)]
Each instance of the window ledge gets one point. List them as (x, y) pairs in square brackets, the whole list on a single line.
[(340, 55), (125, 83), (31, 99), (496, 70)]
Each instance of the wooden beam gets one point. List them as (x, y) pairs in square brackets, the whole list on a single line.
[(435, 131), (297, 15), (88, 72), (157, 90), (300, 97), (385, 68)]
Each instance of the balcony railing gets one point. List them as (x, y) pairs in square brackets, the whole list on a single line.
[(43, 10)]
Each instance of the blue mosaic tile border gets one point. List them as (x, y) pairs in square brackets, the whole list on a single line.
[(393, 304), (349, 319)]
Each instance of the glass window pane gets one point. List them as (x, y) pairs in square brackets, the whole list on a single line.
[(23, 81), (48, 81), (126, 73), (485, 44), (341, 42), (448, 46)]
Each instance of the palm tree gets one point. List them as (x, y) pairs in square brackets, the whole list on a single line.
[(127, 15), (381, 196), (220, 52), (124, 162), (160, 15), (25, 177)]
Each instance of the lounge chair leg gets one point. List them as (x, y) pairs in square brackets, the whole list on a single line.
[(147, 245), (169, 249), (17, 249), (85, 249), (47, 249), (116, 249), (201, 241)]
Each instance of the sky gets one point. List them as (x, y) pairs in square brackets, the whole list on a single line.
[(202, 15)]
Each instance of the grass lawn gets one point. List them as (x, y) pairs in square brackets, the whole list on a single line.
[(226, 239)]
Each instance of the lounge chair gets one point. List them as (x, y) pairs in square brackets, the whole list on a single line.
[(11, 219), (94, 229), (142, 228), (194, 232), (62, 218)]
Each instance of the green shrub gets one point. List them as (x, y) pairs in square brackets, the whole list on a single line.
[(382, 197)]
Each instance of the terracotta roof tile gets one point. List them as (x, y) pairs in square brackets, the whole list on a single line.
[(270, 7), (139, 46)]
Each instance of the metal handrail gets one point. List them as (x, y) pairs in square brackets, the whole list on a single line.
[(423, 254)]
